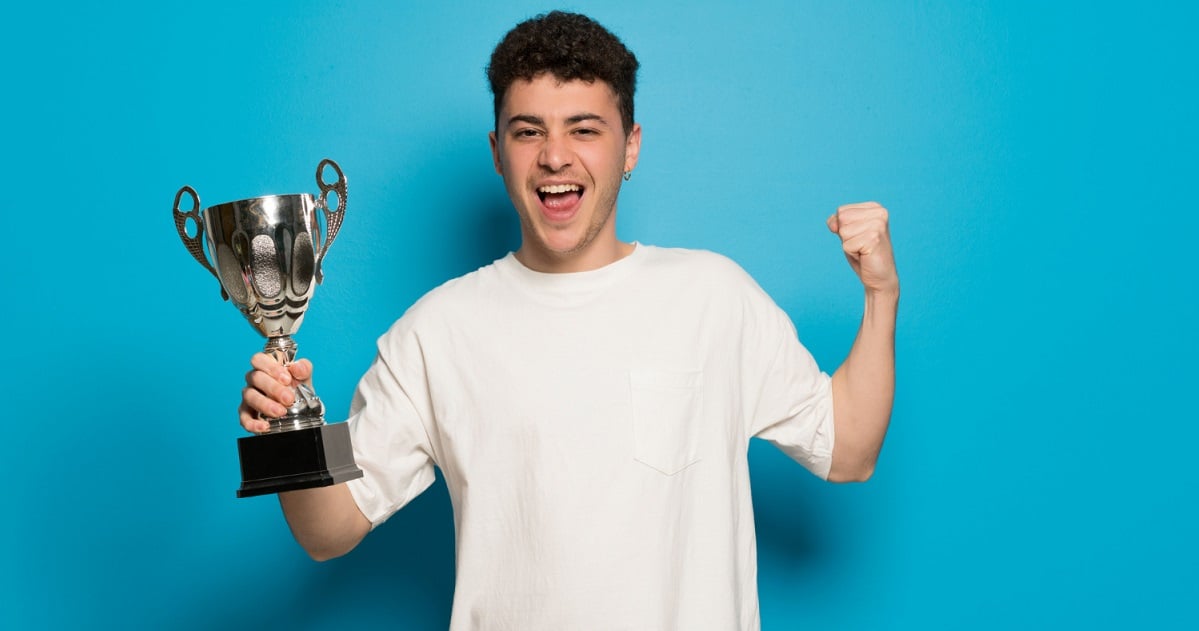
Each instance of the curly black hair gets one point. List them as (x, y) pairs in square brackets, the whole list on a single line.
[(569, 46)]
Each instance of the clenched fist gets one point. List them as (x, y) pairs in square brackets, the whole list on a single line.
[(866, 242)]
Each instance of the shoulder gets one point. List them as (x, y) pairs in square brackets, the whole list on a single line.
[(721, 284), (697, 264), (462, 295)]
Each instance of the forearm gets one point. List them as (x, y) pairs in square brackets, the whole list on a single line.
[(864, 390), (325, 521)]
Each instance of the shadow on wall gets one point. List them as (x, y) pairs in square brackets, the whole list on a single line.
[(400, 576), (496, 228), (797, 517), (460, 217)]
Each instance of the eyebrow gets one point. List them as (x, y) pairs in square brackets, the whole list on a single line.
[(572, 120)]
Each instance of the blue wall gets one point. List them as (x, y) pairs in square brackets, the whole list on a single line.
[(1038, 161)]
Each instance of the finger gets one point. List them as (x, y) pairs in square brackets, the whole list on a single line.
[(866, 243), (855, 221), (255, 425), (301, 369), (848, 214), (858, 206), (857, 215), (852, 212), (260, 403), (850, 230), (271, 366), (251, 421), (270, 387)]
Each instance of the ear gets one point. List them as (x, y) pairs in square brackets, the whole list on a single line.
[(632, 148), (495, 154)]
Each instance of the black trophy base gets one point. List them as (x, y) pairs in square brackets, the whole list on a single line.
[(297, 459)]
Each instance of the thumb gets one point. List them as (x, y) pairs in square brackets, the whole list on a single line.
[(834, 224)]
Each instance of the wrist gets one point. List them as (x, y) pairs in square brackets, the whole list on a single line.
[(883, 295), (882, 307)]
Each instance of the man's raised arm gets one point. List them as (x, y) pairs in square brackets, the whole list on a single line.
[(864, 385)]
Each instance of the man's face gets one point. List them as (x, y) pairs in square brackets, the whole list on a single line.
[(561, 149)]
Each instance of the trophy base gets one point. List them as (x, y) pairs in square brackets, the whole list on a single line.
[(298, 459)]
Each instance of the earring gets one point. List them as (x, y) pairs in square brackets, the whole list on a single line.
[(628, 175)]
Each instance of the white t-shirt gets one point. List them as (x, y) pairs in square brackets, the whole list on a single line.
[(593, 432)]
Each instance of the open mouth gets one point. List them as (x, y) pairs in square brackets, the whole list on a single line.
[(559, 196)]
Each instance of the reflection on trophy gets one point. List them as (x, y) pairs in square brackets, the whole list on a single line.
[(268, 253)]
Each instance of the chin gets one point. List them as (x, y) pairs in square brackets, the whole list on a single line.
[(563, 247)]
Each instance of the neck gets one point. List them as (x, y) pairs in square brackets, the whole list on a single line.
[(590, 258)]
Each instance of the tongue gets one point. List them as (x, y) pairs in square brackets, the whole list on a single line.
[(555, 201)]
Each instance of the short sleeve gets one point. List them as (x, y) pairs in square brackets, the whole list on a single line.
[(388, 430), (794, 400)]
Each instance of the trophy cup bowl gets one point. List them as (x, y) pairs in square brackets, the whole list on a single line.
[(268, 253)]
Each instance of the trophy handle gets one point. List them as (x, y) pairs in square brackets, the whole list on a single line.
[(195, 244), (332, 217)]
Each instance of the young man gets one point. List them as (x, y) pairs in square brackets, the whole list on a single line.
[(590, 401)]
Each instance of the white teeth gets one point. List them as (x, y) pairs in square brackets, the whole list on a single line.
[(558, 188)]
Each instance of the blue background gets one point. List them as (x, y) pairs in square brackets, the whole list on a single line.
[(1038, 161)]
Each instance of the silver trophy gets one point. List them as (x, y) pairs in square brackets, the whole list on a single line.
[(268, 253)]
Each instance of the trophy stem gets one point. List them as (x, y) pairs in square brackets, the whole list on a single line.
[(306, 411)]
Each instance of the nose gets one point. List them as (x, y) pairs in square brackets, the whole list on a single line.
[(555, 153)]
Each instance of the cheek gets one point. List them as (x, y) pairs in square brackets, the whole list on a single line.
[(603, 164), (511, 170)]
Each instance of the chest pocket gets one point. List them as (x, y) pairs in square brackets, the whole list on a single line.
[(667, 410)]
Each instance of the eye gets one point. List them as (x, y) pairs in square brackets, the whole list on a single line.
[(586, 131), (525, 132)]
